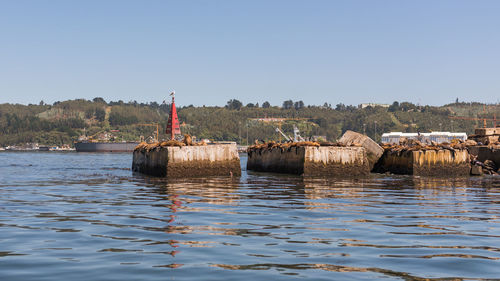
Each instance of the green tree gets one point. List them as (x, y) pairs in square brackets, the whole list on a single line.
[(99, 100), (298, 105), (288, 104), (234, 104), (89, 113), (100, 114), (394, 107)]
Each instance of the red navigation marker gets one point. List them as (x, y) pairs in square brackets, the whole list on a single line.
[(173, 127)]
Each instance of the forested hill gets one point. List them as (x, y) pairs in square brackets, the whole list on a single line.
[(63, 122)]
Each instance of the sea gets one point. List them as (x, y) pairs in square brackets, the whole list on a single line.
[(87, 216)]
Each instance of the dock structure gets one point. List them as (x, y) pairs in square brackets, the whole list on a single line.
[(483, 153), (310, 160), (188, 161), (426, 162), (485, 160), (176, 159)]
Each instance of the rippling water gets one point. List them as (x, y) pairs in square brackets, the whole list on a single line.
[(71, 216)]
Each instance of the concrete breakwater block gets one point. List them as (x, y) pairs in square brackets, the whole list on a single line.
[(486, 159), (427, 162), (373, 150), (487, 131), (310, 161), (483, 153), (188, 161)]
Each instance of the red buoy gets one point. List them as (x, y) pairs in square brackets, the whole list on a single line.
[(173, 127)]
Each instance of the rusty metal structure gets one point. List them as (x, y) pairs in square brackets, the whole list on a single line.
[(156, 137), (485, 125)]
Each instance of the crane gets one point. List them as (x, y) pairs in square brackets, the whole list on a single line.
[(279, 121), (296, 134), (283, 134), (494, 119), (157, 137)]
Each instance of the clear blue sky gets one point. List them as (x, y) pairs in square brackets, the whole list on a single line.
[(427, 52)]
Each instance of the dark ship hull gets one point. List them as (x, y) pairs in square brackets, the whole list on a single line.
[(105, 146)]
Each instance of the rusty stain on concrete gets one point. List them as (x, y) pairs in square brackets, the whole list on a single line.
[(188, 161), (427, 162), (311, 161)]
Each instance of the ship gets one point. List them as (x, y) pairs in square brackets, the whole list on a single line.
[(103, 142), (105, 146)]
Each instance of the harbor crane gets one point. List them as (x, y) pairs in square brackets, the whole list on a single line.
[(279, 121), (283, 134), (157, 136), (296, 134), (494, 119)]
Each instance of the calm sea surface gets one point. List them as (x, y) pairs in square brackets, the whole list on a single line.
[(73, 216)]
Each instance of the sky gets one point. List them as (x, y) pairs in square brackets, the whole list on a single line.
[(351, 52)]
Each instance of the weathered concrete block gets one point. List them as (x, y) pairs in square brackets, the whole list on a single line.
[(483, 153), (427, 163), (487, 139), (311, 161), (487, 131), (373, 150), (188, 161)]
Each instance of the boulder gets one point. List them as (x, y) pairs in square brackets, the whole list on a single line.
[(373, 150)]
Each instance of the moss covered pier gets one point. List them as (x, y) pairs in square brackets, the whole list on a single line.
[(310, 160), (187, 161), (441, 162)]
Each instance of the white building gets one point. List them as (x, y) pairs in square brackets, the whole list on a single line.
[(364, 105), (438, 137)]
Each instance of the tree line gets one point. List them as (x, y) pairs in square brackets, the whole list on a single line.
[(63, 122)]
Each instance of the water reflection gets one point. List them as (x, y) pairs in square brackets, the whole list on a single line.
[(330, 268), (126, 225), (354, 204)]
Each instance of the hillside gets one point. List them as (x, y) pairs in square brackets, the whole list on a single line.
[(63, 122)]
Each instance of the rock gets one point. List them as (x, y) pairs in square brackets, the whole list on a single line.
[(476, 170), (373, 150)]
